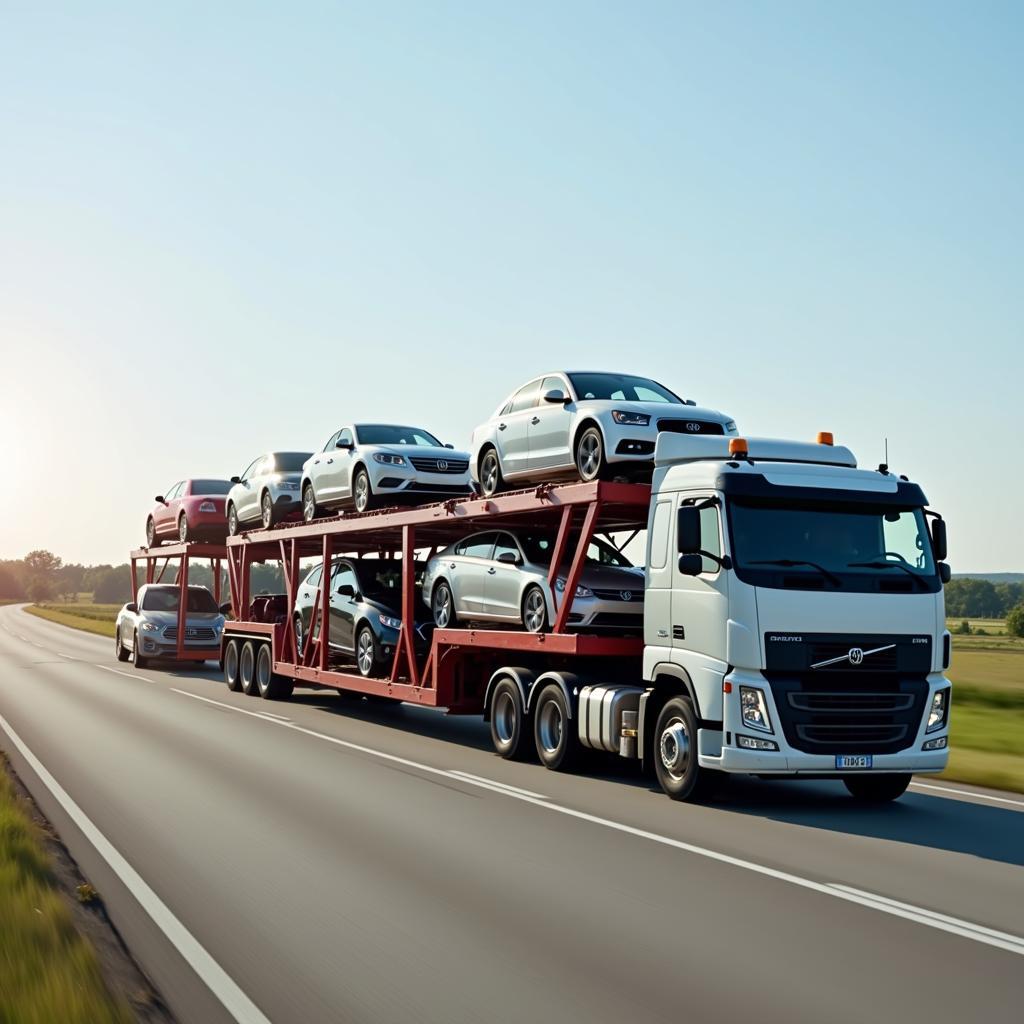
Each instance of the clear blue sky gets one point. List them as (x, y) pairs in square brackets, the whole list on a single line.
[(226, 228)]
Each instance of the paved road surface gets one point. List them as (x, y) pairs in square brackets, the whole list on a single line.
[(322, 860)]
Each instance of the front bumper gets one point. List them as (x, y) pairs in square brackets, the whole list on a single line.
[(607, 612), (409, 483), (161, 648), (633, 444)]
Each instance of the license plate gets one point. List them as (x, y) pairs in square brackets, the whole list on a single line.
[(853, 761)]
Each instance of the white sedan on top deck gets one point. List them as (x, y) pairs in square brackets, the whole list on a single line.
[(582, 425), (368, 464)]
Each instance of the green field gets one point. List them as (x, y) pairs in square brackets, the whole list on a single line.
[(47, 970), (93, 618)]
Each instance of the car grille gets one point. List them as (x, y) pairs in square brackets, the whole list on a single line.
[(690, 427), (197, 633), (620, 595), (430, 465)]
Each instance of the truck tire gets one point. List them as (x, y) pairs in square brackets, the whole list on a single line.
[(271, 686), (877, 789), (510, 727), (231, 666), (675, 753), (558, 745), (247, 669)]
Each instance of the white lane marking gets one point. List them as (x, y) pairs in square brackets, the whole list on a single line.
[(497, 785), (978, 932), (967, 793), (234, 1000), (920, 915), (68, 656), (284, 718), (127, 675), (255, 714)]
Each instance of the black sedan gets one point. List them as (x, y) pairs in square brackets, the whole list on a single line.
[(365, 602)]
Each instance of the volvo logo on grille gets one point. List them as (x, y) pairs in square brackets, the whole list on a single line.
[(694, 428), (627, 595), (856, 656), (442, 465)]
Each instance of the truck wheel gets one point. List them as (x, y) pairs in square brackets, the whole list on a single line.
[(231, 666), (675, 753), (534, 611), (590, 462), (510, 732), (877, 789), (247, 668), (491, 481), (271, 686), (137, 659), (558, 745)]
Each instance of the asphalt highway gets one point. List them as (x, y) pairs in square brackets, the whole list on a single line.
[(326, 860)]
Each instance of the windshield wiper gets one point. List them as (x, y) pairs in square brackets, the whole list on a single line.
[(787, 562), (890, 565)]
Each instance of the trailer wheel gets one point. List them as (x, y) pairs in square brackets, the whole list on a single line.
[(877, 789), (558, 745), (510, 731), (491, 481), (675, 753), (119, 648), (271, 686), (137, 659), (247, 668), (534, 612), (231, 666), (362, 492)]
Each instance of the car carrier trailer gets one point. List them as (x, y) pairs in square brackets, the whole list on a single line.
[(773, 666)]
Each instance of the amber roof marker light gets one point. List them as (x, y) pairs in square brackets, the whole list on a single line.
[(738, 446), (825, 437)]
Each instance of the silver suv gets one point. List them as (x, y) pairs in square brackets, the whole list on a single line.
[(148, 627)]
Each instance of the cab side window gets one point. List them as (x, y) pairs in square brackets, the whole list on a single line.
[(657, 556), (710, 534)]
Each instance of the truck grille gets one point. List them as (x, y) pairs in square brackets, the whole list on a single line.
[(883, 661), (690, 427), (431, 465)]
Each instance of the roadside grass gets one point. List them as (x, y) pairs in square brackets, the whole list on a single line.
[(48, 972), (92, 618)]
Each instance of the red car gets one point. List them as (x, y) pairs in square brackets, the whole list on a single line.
[(190, 510)]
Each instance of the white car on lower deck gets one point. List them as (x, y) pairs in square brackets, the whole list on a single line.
[(364, 465), (583, 425)]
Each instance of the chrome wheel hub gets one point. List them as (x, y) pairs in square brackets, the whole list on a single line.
[(549, 726), (505, 717), (674, 748)]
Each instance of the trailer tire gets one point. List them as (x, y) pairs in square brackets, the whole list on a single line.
[(675, 754), (271, 686), (558, 745), (247, 669), (137, 659), (231, 666), (510, 726), (877, 789)]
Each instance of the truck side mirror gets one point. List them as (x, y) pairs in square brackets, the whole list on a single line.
[(945, 573), (939, 545), (691, 565), (688, 530)]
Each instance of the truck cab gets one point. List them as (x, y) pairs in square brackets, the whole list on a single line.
[(794, 618)]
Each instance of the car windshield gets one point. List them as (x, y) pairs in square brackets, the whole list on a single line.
[(381, 579), (621, 387), (383, 433), (830, 540), (210, 487), (165, 599), (538, 548), (289, 462)]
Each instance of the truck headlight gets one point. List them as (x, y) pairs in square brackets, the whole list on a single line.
[(754, 709), (388, 460), (630, 419), (939, 711), (390, 621), (581, 591)]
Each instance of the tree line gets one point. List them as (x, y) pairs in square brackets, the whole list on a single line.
[(44, 576), (971, 598)]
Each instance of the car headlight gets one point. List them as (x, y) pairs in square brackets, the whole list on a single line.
[(388, 460), (390, 621), (581, 591), (939, 710), (730, 427), (754, 709), (207, 506), (631, 419), (150, 627)]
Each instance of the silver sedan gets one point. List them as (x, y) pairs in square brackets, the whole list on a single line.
[(267, 492), (501, 576)]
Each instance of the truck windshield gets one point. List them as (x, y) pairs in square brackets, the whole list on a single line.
[(842, 547)]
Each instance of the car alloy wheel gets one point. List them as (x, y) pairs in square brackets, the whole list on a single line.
[(535, 611), (590, 455), (150, 532), (366, 655), (298, 637), (362, 495), (267, 509), (232, 521), (442, 605), (490, 474), (183, 529), (308, 504)]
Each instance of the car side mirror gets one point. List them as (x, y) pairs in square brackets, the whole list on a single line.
[(508, 558), (691, 564), (556, 396), (939, 545), (131, 607), (225, 609), (450, 447), (945, 573), (343, 442), (688, 530), (346, 590), (160, 500), (236, 479)]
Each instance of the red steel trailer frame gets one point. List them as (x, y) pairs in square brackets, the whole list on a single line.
[(459, 662), (182, 555)]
